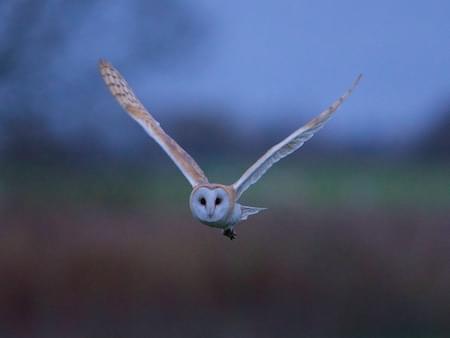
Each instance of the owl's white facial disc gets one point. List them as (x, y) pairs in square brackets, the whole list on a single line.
[(210, 205)]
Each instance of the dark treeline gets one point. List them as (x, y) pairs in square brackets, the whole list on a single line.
[(27, 138)]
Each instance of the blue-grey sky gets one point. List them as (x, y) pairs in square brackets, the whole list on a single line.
[(266, 62)]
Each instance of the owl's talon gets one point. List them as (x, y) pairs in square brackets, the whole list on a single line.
[(230, 233)]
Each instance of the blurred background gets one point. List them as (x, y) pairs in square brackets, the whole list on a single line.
[(96, 237)]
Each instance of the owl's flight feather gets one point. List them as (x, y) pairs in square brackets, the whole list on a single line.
[(288, 145), (128, 100)]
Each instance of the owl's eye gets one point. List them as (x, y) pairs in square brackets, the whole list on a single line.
[(218, 200), (202, 201)]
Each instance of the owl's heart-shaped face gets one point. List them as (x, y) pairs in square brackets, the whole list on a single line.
[(210, 204)]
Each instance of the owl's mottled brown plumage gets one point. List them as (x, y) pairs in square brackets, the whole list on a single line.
[(128, 100)]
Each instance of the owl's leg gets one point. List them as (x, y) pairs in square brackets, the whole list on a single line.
[(229, 232)]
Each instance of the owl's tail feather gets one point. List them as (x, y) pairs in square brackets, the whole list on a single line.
[(248, 211)]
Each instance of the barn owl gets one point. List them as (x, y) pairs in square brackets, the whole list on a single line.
[(213, 204)]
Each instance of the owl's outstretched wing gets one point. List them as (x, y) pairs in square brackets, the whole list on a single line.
[(288, 145), (128, 100)]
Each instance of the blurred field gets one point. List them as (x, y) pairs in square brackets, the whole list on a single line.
[(298, 184), (356, 251)]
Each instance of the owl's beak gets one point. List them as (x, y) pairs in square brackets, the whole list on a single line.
[(210, 212)]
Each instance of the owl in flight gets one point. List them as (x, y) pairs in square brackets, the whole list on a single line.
[(213, 204)]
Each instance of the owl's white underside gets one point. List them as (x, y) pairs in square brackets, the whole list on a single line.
[(215, 205)]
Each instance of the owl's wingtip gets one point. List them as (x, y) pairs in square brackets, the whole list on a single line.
[(102, 62), (358, 78)]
